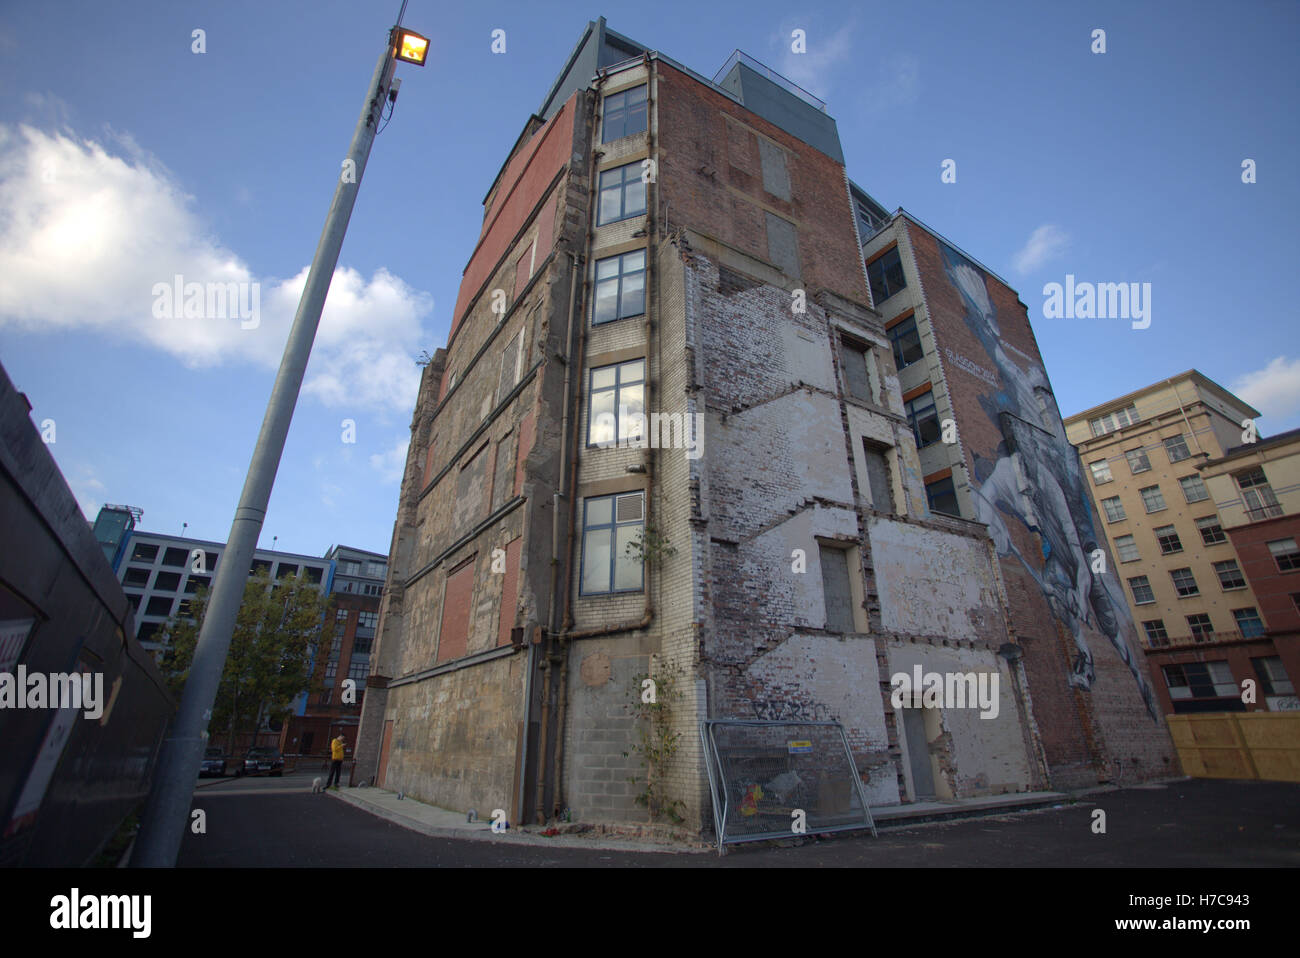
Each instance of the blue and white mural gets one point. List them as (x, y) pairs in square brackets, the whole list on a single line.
[(1035, 482)]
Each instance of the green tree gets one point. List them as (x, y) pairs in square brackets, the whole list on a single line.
[(278, 629)]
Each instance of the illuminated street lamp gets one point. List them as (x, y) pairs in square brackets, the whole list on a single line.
[(167, 812), (411, 47)]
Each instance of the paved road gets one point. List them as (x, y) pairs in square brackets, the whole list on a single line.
[(1196, 823)]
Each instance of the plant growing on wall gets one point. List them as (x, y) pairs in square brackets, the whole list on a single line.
[(654, 698), (651, 546)]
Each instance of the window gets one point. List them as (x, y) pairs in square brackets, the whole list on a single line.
[(1126, 548), (314, 574), (144, 552), (1113, 508), (776, 174), (1137, 461), (622, 194), (136, 576), (1200, 625), (362, 645), (1230, 576), (1156, 634), (886, 276), (782, 244), (1100, 471), (260, 567), (620, 287), (924, 418), (341, 616), (1184, 582), (942, 497), (906, 341), (1201, 680), (194, 581), (1285, 554), (134, 598), (625, 114), (285, 570), (1176, 447), (177, 558), (836, 589), (376, 570), (1193, 488), (1167, 539), (1273, 679), (1142, 594), (366, 623), (350, 568), (609, 524), (159, 605), (879, 485), (326, 695), (1211, 532), (1112, 421), (1249, 622), (358, 669), (616, 407), (1257, 494), (167, 581), (331, 670), (512, 358), (857, 370), (1152, 499)]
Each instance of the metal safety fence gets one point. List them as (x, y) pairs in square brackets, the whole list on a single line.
[(781, 779)]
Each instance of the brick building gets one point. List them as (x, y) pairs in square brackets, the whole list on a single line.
[(334, 706), (667, 438), (1147, 454), (993, 448)]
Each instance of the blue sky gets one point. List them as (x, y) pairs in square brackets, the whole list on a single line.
[(127, 158)]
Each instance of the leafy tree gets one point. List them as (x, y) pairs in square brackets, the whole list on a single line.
[(278, 629)]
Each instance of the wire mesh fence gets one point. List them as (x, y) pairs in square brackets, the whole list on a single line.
[(778, 779)]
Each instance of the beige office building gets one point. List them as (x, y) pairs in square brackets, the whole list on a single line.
[(1181, 574)]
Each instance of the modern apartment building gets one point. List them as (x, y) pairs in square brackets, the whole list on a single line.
[(1146, 453), (160, 572), (667, 439), (992, 449)]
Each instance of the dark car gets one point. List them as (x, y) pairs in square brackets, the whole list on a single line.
[(214, 763), (260, 759)]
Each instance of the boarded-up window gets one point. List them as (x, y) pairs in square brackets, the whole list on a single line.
[(503, 472), (511, 359), (453, 634), (857, 370), (835, 587), (881, 489), (428, 464), (782, 245), (527, 435), (509, 593), (524, 268), (776, 178), (471, 492)]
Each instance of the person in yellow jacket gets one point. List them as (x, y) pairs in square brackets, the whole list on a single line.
[(336, 763)]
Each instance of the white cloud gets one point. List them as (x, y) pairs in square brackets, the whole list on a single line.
[(86, 234), (391, 464), (1273, 390), (89, 493), (1045, 243), (825, 52)]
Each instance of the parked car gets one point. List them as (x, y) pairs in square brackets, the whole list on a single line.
[(214, 763), (262, 758)]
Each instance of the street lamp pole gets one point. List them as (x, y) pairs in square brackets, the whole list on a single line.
[(167, 810)]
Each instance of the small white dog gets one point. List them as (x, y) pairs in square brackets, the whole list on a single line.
[(315, 785)]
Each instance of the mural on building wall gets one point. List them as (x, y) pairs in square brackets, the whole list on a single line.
[(1036, 481)]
